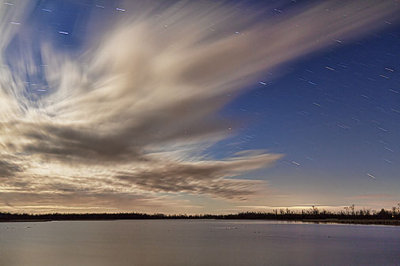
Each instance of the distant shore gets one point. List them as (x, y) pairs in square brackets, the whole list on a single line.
[(362, 222), (319, 221), (381, 218)]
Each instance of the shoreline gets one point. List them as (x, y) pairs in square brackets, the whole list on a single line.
[(359, 222), (315, 221)]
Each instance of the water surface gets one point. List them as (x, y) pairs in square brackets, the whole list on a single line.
[(196, 242)]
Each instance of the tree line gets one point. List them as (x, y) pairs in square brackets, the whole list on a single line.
[(348, 213)]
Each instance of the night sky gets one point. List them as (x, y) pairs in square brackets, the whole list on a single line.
[(199, 107), (335, 115)]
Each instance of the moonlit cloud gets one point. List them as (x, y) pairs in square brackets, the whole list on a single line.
[(124, 119)]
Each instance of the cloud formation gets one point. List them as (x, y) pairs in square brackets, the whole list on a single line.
[(129, 113)]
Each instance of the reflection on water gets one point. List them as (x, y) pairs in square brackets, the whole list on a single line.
[(196, 242)]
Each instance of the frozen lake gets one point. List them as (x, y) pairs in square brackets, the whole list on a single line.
[(196, 242)]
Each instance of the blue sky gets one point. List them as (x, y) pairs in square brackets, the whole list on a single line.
[(334, 114), (199, 107)]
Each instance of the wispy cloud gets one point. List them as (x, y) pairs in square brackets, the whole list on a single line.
[(127, 115)]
